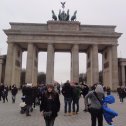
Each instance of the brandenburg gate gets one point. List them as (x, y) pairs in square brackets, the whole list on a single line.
[(62, 36)]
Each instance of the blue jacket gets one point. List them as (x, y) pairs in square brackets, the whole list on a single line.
[(108, 113)]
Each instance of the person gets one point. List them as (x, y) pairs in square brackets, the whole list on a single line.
[(121, 93), (5, 94), (14, 91), (28, 99), (50, 103), (75, 98), (34, 95), (95, 107), (68, 94)]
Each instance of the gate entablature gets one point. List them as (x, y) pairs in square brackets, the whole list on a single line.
[(57, 32)]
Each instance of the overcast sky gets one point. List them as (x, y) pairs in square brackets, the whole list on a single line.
[(91, 12)]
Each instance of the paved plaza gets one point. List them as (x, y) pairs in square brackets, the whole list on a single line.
[(10, 115)]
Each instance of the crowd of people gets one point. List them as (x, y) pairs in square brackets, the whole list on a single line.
[(47, 97), (4, 92)]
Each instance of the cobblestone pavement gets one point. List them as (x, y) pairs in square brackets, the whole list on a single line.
[(10, 115)]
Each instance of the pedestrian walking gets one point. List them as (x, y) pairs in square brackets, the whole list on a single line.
[(5, 94)]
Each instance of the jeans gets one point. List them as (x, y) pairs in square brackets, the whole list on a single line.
[(50, 122), (28, 109), (67, 102), (76, 103), (13, 98), (96, 114)]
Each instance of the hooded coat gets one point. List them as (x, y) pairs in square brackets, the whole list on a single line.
[(108, 113)]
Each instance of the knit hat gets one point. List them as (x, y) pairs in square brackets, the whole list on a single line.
[(99, 89)]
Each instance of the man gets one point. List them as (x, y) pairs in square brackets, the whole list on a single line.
[(67, 93), (29, 99)]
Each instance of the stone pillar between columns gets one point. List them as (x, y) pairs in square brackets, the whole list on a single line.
[(9, 64), (75, 63), (32, 64), (50, 64), (123, 75), (92, 65)]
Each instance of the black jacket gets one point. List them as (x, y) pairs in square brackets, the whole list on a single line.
[(28, 95), (14, 90), (67, 90), (55, 106)]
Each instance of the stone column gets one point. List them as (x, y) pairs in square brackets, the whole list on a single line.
[(50, 64), (95, 64), (9, 64), (75, 63), (17, 65), (35, 67), (32, 64), (115, 79), (92, 65), (123, 75)]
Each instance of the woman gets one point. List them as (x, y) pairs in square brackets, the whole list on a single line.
[(95, 107), (50, 104)]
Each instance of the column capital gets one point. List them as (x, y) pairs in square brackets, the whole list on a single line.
[(50, 44), (75, 46)]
